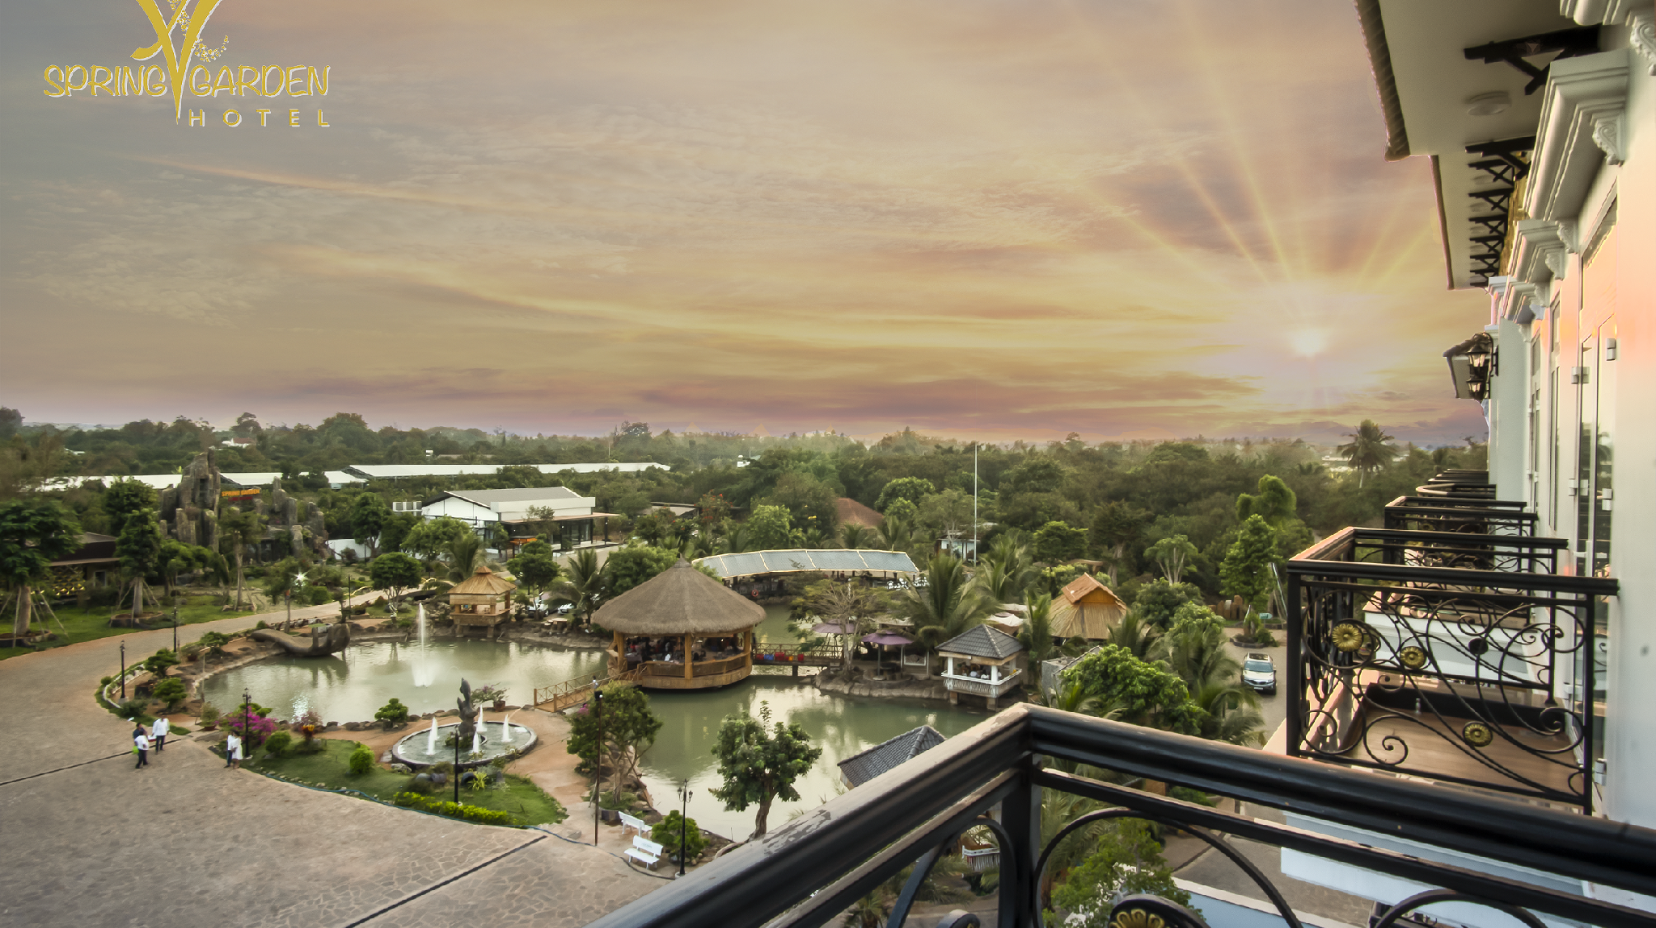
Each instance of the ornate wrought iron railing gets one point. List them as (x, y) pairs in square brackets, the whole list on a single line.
[(1463, 658), (811, 870), (1451, 514)]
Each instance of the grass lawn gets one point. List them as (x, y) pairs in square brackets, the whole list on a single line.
[(93, 622), (330, 770)]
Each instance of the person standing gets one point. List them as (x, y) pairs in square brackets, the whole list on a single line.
[(142, 742), (159, 733), (232, 751)]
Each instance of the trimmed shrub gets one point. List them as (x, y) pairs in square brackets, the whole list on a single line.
[(170, 691), (279, 743), (666, 834), (361, 760), (394, 712), (458, 810)]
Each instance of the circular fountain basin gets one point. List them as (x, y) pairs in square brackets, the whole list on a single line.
[(412, 751)]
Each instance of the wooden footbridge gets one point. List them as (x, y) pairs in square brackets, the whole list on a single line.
[(561, 696)]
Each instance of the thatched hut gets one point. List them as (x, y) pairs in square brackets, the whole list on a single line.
[(481, 601), (1086, 608), (682, 630)]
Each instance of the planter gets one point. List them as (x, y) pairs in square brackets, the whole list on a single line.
[(612, 816), (498, 705)]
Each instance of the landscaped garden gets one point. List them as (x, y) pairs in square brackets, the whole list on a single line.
[(89, 623)]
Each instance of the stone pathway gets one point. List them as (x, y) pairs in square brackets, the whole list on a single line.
[(87, 840)]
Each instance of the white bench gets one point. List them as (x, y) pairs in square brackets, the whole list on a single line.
[(636, 824), (645, 851)]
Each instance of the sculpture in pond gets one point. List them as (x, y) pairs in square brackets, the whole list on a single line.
[(468, 714), (324, 640)]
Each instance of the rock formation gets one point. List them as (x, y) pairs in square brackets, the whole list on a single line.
[(323, 640)]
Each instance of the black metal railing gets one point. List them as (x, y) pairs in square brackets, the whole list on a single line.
[(813, 869), (1454, 514), (1464, 658)]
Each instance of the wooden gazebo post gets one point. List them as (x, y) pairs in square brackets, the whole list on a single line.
[(689, 658), (620, 660)]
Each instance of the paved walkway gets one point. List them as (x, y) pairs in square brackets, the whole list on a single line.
[(87, 840)]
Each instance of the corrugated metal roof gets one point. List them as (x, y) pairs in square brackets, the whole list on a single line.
[(863, 767), (796, 560)]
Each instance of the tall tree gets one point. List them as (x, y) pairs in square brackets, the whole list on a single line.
[(1115, 526), (760, 761), (1006, 571), (1275, 502), (1369, 449), (240, 529), (1057, 542), (395, 572), (769, 528), (634, 564), (629, 727), (535, 567), (845, 603), (1144, 693), (33, 534), (1036, 633), (464, 553), (1171, 554), (138, 548), (1247, 567), (368, 516), (913, 489)]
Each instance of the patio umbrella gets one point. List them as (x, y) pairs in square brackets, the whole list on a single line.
[(887, 638), (833, 628)]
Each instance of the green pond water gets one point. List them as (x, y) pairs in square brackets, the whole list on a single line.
[(353, 685)]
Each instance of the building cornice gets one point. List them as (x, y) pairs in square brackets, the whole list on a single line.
[(1541, 249), (1580, 128)]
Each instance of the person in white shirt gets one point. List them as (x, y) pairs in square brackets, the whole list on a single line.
[(159, 733), (232, 751), (142, 742)]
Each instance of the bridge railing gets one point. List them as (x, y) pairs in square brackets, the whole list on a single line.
[(560, 696)]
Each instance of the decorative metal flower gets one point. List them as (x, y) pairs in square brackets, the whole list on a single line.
[(1413, 657), (1136, 918), (1347, 636), (1477, 734)]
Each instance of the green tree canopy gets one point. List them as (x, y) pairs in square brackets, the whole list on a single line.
[(368, 516), (1115, 526), (1143, 693), (629, 729), (760, 762), (535, 567), (139, 549), (33, 534), (947, 605), (769, 528), (239, 530), (583, 584), (1057, 542), (1036, 633), (1171, 554), (913, 489), (395, 572), (1274, 502), (126, 498), (433, 538), (1160, 600), (1247, 567), (1127, 860), (810, 501), (632, 565)]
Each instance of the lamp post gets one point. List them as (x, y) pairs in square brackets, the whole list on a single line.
[(598, 765), (456, 770), (123, 671), (246, 722), (175, 631), (684, 818)]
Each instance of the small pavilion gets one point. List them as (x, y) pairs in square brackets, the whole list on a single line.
[(1086, 608), (682, 630), (481, 601), (981, 662)]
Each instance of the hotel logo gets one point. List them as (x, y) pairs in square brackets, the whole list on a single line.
[(179, 45)]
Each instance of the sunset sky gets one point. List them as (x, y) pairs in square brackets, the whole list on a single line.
[(992, 218)]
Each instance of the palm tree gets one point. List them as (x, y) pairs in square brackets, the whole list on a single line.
[(1007, 570), (1136, 635), (1036, 634), (464, 554), (947, 606), (240, 528), (735, 538), (582, 583), (1369, 449), (895, 534), (1196, 652), (857, 536)]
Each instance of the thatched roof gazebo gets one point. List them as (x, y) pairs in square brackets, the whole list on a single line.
[(482, 600), (1087, 609), (682, 630)]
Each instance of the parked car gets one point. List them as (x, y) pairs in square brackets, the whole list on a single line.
[(566, 608), (1259, 672)]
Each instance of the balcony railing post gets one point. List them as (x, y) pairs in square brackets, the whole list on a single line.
[(1295, 698), (1021, 815)]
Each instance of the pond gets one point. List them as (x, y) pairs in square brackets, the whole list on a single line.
[(352, 686)]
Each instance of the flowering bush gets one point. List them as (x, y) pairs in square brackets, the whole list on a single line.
[(252, 727), (490, 693), (309, 726)]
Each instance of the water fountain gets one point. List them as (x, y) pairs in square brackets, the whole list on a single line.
[(435, 750), (424, 671)]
